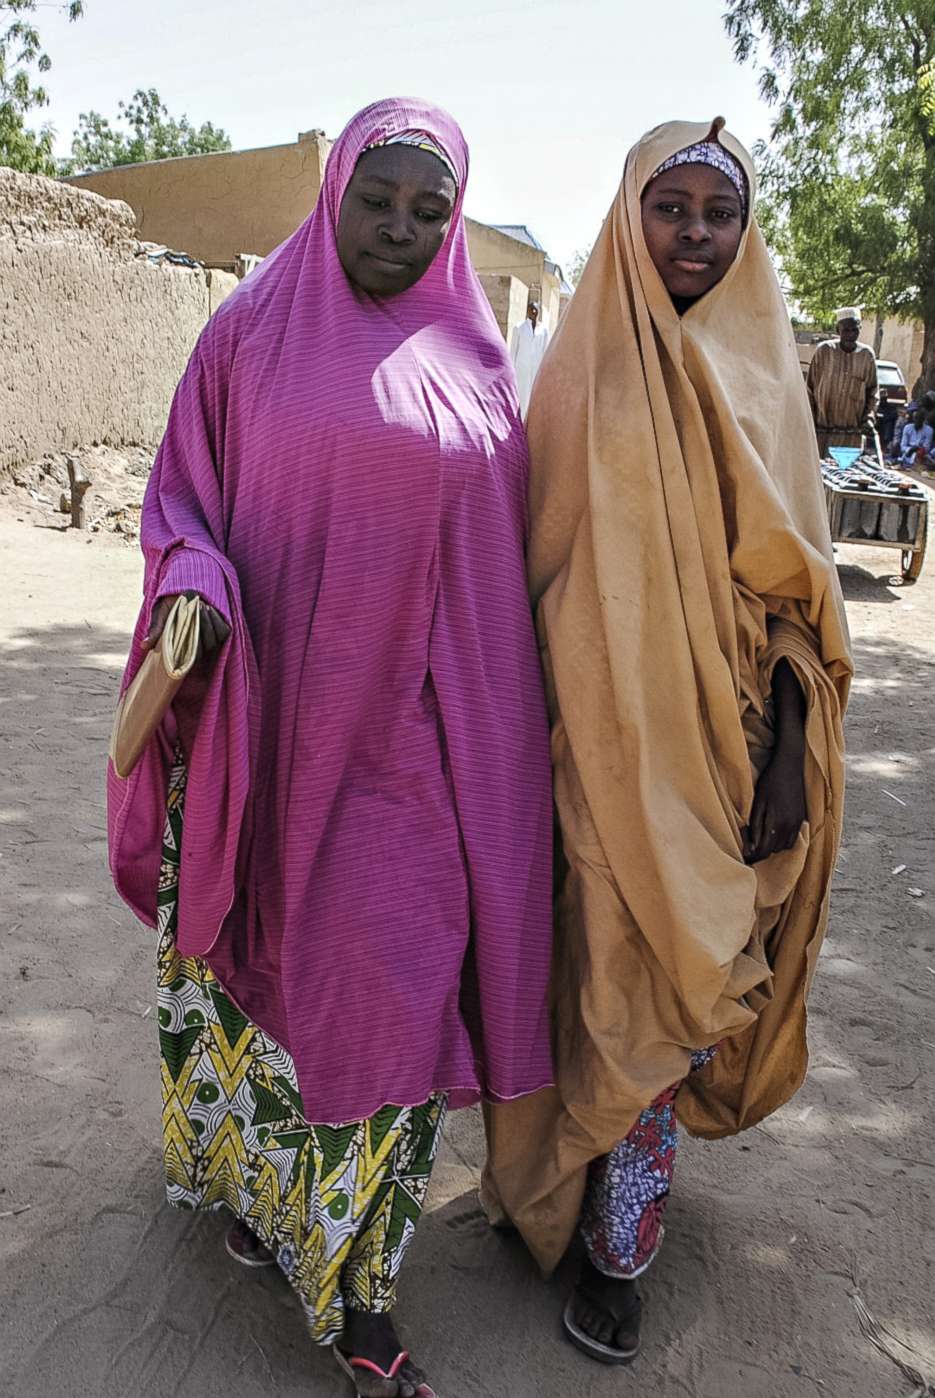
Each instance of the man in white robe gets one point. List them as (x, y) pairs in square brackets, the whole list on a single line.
[(527, 347)]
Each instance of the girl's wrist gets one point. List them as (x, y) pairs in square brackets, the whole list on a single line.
[(790, 741)]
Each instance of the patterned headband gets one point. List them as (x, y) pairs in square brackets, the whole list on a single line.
[(710, 153), (421, 140)]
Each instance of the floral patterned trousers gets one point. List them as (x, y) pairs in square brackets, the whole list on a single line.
[(621, 1222)]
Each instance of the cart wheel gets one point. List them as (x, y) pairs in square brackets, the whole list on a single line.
[(912, 564)]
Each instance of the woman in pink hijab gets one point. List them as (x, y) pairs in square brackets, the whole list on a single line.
[(351, 881)]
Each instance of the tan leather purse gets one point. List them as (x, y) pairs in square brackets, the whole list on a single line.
[(155, 685)]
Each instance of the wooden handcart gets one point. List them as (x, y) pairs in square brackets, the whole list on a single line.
[(870, 505)]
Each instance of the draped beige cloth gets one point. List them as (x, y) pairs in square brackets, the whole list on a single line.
[(679, 549)]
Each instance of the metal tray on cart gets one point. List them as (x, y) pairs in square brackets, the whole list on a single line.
[(870, 505)]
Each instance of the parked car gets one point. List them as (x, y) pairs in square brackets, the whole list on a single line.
[(890, 377)]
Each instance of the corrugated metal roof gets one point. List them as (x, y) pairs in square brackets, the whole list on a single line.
[(521, 233)]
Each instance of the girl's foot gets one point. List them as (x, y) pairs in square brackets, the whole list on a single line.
[(373, 1338), (603, 1317), (244, 1246)]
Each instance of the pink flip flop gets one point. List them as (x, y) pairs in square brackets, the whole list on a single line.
[(349, 1365)]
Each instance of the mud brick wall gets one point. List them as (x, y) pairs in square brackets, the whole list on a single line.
[(93, 336)]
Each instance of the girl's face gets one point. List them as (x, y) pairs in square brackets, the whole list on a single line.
[(692, 223)]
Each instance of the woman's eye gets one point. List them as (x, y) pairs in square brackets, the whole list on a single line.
[(724, 215), (669, 208), (429, 216), (373, 203)]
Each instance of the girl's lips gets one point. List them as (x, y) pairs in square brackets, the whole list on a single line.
[(691, 265)]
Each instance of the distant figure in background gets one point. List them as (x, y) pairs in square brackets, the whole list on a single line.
[(906, 414), (842, 386), (916, 441), (528, 345), (887, 418), (928, 407)]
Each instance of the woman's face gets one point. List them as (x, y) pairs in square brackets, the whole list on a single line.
[(394, 218), (692, 223)]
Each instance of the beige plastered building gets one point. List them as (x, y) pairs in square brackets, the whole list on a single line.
[(901, 341), (511, 250), (217, 207), (230, 204)]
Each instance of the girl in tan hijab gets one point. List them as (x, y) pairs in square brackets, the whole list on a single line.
[(696, 653)]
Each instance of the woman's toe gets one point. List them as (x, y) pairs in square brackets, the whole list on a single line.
[(369, 1386), (410, 1380)]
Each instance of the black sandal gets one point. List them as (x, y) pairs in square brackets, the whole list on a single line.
[(604, 1354)]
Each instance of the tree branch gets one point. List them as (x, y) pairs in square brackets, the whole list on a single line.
[(913, 38), (850, 275)]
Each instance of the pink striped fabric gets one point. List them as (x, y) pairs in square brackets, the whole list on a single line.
[(366, 855)]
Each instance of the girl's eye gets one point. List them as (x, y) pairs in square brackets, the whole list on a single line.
[(373, 203), (724, 215), (669, 208), (429, 216)]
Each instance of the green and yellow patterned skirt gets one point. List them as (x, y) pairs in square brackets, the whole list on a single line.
[(337, 1205)]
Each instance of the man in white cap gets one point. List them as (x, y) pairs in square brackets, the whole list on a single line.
[(842, 386), (528, 345)]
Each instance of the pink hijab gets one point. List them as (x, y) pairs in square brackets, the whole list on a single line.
[(366, 849)]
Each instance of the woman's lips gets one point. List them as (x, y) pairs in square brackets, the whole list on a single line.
[(388, 263), (692, 265)]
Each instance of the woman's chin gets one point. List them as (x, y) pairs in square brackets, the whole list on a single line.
[(368, 277)]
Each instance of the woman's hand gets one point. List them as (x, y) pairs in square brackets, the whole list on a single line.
[(779, 808), (213, 630)]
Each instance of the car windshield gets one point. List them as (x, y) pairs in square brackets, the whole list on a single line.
[(889, 376)]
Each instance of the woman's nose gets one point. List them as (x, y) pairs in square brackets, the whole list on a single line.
[(397, 228)]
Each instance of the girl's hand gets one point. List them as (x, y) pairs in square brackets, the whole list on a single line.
[(213, 630), (779, 802), (778, 807)]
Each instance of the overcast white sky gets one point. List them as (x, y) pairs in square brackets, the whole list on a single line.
[(550, 93)]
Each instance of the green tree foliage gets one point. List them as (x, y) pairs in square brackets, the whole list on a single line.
[(578, 264), (148, 132), (22, 60), (848, 175)]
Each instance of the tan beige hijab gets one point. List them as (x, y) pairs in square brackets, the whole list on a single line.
[(679, 548)]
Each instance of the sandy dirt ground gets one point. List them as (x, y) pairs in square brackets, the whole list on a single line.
[(106, 1292)]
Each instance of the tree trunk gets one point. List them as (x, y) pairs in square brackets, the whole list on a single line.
[(925, 230), (80, 484), (878, 334), (926, 379)]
